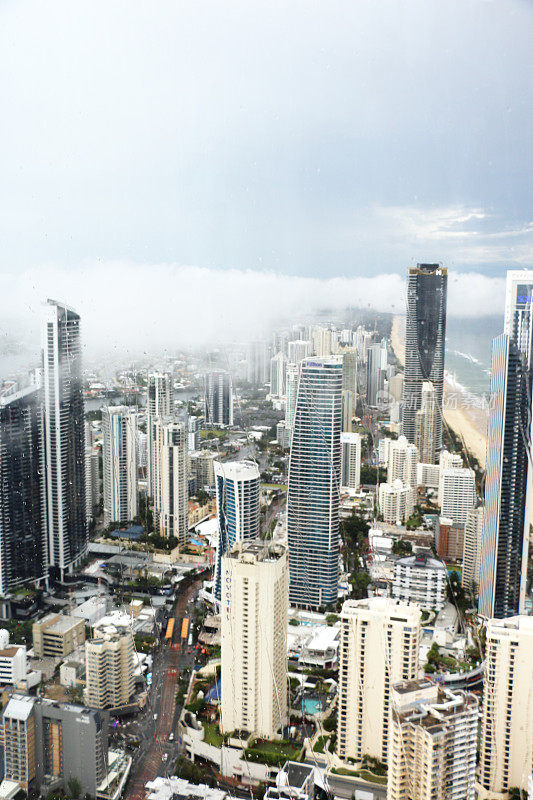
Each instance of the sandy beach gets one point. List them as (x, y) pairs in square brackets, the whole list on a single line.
[(462, 410)]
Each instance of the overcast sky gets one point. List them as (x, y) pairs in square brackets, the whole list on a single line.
[(318, 140)]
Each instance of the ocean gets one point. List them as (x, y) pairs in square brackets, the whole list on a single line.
[(468, 351)]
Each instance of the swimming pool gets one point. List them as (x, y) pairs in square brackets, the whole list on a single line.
[(312, 706)]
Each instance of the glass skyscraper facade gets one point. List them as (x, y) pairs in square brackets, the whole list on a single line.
[(425, 336), (314, 482), (23, 545), (508, 498), (238, 487)]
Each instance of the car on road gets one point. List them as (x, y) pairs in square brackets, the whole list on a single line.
[(171, 737), (155, 716), (165, 756)]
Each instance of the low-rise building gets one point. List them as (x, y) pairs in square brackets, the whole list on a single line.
[(420, 579), (57, 635), (174, 787), (294, 781)]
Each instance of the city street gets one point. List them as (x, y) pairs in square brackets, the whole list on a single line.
[(160, 715)]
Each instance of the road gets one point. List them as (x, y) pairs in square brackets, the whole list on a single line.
[(161, 714)]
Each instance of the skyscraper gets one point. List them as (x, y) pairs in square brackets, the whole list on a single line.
[(278, 371), (350, 462), (348, 410), (375, 374), (254, 638), (293, 371), (119, 426), (314, 484), (458, 495), (257, 363), (472, 548), (506, 737), (426, 425), (298, 349), (110, 669), (402, 462), (378, 647), (64, 436), (425, 335), (171, 501), (218, 398), (508, 477), (159, 403), (23, 542), (238, 489)]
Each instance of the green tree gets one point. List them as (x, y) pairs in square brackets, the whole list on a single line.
[(74, 787)]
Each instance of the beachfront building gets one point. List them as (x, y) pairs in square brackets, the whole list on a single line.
[(458, 493), (396, 502), (402, 462), (378, 647), (64, 437), (506, 759), (238, 487), (314, 483), (425, 336), (254, 605), (506, 523), (472, 549), (433, 740), (426, 424), (420, 579)]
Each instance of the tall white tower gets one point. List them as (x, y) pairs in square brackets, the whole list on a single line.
[(64, 436), (172, 490), (159, 403), (255, 600), (119, 424)]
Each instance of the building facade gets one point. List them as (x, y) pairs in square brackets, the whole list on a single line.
[(314, 485), (159, 403), (472, 548), (23, 523), (64, 437), (57, 635), (110, 668), (458, 493), (119, 427), (506, 737), (396, 502), (254, 638), (508, 490), (420, 579), (278, 374), (218, 399), (425, 336), (350, 462), (238, 487), (379, 647), (426, 424), (432, 753), (172, 486), (402, 462)]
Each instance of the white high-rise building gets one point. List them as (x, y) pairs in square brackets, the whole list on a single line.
[(172, 489), (403, 461), (193, 433), (432, 745), (257, 363), (119, 427), (426, 424), (278, 372), (348, 410), (255, 599), (92, 480), (420, 579), (298, 349), (110, 669), (238, 486), (458, 493), (218, 398), (159, 403), (507, 725), (314, 484), (378, 647), (322, 344), (350, 462), (396, 502), (293, 372), (64, 436), (472, 548)]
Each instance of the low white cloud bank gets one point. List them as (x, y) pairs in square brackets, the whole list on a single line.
[(138, 308)]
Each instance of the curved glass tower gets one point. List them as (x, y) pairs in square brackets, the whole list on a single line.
[(238, 488), (425, 335), (314, 479)]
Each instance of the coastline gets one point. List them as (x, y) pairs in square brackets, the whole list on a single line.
[(463, 411)]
